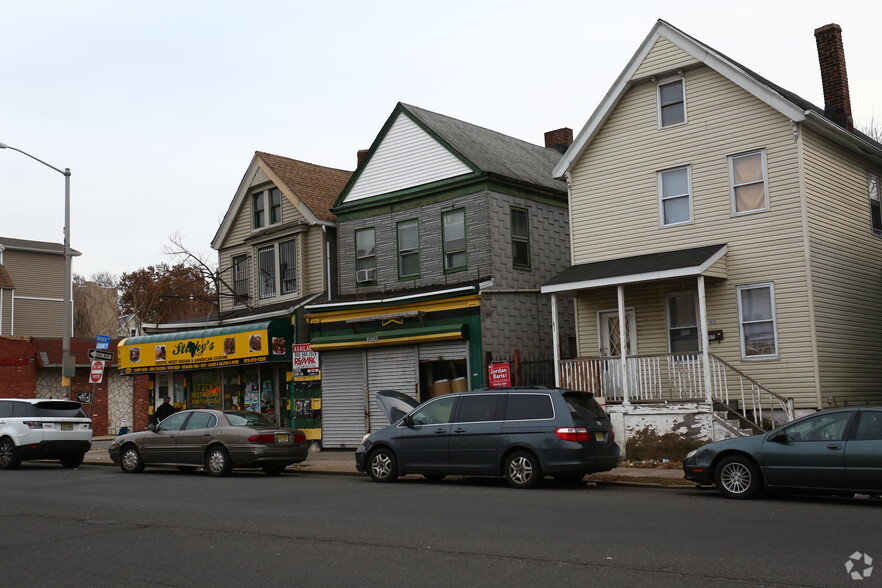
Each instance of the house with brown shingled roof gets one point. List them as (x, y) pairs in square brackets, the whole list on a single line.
[(276, 250)]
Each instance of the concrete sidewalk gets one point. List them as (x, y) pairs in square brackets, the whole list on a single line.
[(342, 462)]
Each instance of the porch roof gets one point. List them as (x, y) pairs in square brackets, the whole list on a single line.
[(639, 268)]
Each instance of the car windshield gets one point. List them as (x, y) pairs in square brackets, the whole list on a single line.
[(60, 408), (584, 405), (248, 419)]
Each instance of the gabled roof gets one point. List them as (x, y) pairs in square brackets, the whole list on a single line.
[(787, 103), (309, 187), (479, 149), (34, 246)]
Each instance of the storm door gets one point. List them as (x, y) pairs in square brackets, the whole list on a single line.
[(611, 347)]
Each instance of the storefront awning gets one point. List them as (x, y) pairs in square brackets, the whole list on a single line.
[(709, 260), (207, 348), (400, 336)]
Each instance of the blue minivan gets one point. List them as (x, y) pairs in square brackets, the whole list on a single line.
[(521, 434)]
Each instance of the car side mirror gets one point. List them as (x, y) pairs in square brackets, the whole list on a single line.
[(407, 421), (780, 437), (151, 427)]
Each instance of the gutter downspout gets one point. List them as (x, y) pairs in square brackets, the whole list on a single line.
[(555, 339)]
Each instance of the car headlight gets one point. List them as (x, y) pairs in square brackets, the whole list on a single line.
[(366, 438), (691, 453)]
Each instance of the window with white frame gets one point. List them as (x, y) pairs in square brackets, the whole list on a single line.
[(671, 103), (266, 267), (756, 314), (288, 266), (747, 182), (408, 249), (675, 199), (875, 203), (683, 322), (240, 279), (266, 200)]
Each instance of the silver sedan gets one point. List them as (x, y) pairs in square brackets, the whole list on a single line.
[(216, 440)]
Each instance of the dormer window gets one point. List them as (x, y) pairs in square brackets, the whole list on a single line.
[(671, 104), (266, 207)]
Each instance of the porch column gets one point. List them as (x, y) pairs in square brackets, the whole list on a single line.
[(705, 355), (555, 340), (623, 341)]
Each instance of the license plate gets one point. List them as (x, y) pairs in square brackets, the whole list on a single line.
[(283, 437), (67, 426), (598, 436)]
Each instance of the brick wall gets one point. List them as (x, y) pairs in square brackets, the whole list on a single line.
[(18, 367), (141, 402)]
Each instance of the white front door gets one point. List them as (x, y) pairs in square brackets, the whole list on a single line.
[(611, 346), (610, 333)]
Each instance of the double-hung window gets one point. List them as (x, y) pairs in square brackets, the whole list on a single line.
[(454, 237), (875, 203), (408, 249), (520, 238), (683, 322), (288, 266), (240, 279), (258, 210), (747, 182), (671, 104), (756, 314), (675, 198), (266, 208), (365, 255), (266, 265)]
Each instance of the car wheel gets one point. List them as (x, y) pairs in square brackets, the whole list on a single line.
[(522, 470), (9, 457), (434, 477), (72, 461), (217, 461), (382, 465), (273, 470), (130, 460), (737, 477)]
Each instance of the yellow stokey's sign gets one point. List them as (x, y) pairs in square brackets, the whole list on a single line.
[(203, 349)]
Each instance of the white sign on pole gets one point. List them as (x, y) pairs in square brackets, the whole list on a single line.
[(96, 374)]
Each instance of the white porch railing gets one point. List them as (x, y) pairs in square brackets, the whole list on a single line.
[(677, 377)]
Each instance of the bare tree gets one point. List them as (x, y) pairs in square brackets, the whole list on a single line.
[(197, 260), (872, 129), (95, 305)]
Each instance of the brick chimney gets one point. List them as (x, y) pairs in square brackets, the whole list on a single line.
[(559, 139), (360, 155), (831, 55)]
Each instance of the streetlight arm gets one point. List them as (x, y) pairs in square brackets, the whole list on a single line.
[(65, 172)]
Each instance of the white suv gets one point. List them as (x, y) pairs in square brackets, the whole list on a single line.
[(43, 428)]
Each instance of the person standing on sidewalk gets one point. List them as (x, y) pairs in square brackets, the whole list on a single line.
[(164, 410)]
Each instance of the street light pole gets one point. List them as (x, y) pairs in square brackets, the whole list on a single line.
[(68, 368)]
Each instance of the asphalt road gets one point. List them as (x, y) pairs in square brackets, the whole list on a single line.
[(95, 526)]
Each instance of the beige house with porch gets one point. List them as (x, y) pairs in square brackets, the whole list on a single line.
[(726, 239)]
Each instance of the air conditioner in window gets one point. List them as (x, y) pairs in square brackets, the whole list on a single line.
[(366, 275)]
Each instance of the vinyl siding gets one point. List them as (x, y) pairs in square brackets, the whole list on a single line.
[(615, 213), (847, 283), (664, 56), (35, 306), (407, 157)]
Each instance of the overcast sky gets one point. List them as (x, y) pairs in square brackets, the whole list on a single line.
[(157, 107)]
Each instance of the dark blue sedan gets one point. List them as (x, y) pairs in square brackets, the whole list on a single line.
[(836, 451)]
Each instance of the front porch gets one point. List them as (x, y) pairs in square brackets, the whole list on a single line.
[(678, 378)]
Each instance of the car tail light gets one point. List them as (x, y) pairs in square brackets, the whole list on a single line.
[(34, 424), (612, 436), (573, 433), (299, 437), (263, 438)]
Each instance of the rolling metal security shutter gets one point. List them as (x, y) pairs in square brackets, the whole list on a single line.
[(391, 368), (446, 350), (342, 398)]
